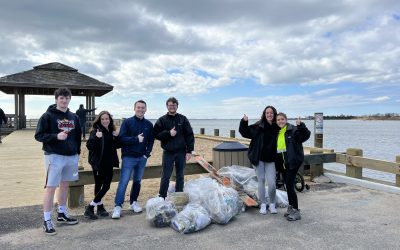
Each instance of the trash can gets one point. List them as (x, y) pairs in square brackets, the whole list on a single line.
[(230, 153)]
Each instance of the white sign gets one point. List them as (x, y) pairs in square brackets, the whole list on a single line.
[(319, 123)]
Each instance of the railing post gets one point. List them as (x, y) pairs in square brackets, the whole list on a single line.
[(352, 171), (316, 169), (202, 130), (398, 175), (318, 130), (216, 132), (232, 134), (76, 196)]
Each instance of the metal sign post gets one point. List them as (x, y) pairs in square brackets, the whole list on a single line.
[(318, 130)]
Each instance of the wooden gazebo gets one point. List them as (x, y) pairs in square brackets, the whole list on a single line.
[(44, 80)]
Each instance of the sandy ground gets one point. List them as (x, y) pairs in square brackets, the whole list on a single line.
[(149, 187)]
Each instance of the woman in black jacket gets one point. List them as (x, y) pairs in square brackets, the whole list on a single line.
[(290, 156), (262, 152), (102, 145)]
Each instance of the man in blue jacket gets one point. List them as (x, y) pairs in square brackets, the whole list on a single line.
[(59, 131), (81, 113), (137, 138), (177, 141)]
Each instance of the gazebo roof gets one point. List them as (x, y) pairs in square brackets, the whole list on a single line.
[(44, 79)]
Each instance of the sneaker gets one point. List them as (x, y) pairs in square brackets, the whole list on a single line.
[(101, 211), (89, 213), (116, 213), (263, 208), (135, 207), (48, 227), (64, 218), (272, 209), (289, 211), (295, 215)]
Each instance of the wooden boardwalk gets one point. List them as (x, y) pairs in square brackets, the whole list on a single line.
[(21, 170)]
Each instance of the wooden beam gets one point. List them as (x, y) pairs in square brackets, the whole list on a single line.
[(362, 162)]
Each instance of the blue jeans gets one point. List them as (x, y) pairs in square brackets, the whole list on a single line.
[(130, 164)]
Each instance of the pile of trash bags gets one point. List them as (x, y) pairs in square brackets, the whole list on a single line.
[(205, 201), (246, 179), (209, 202)]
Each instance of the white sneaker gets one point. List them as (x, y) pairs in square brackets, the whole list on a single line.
[(135, 207), (272, 209), (263, 208), (116, 213)]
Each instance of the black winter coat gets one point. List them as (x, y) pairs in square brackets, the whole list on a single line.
[(294, 138), (96, 147), (255, 132), (184, 138)]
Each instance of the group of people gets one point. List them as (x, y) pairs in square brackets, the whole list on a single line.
[(61, 133), (274, 144)]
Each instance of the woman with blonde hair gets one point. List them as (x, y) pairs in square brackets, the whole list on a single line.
[(290, 156)]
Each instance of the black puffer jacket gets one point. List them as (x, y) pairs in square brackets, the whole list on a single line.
[(102, 151), (294, 138), (184, 138), (256, 132)]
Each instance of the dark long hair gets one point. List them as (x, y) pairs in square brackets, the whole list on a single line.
[(97, 121), (263, 120)]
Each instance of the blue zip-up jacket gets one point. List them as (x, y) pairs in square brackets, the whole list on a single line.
[(128, 137)]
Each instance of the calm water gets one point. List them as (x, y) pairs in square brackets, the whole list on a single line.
[(378, 139)]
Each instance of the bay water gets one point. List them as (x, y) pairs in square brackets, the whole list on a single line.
[(378, 139)]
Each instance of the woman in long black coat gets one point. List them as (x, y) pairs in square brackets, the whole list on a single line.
[(102, 145)]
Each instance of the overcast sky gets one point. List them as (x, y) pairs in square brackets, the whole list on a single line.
[(220, 59)]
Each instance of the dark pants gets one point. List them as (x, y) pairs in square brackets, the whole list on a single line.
[(102, 182), (168, 165), (289, 177), (290, 183), (83, 128)]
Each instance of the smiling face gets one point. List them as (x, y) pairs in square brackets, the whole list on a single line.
[(281, 121), (105, 120), (140, 109), (172, 108), (62, 102), (269, 115)]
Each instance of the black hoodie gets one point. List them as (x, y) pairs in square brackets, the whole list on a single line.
[(53, 122)]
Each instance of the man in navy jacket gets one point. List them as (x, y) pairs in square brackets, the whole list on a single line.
[(137, 139)]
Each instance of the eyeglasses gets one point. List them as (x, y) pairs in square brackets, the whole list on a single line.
[(172, 105)]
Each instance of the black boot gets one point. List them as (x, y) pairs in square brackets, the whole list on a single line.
[(89, 212), (101, 211)]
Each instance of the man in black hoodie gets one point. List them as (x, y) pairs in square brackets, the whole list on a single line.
[(177, 141), (59, 131)]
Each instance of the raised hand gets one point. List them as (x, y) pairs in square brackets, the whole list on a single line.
[(62, 136), (99, 134), (173, 132), (298, 121), (245, 118), (140, 137)]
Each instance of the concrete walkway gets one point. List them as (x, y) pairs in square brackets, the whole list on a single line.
[(21, 170), (334, 217)]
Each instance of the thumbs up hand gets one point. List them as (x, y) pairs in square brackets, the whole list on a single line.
[(245, 118), (140, 137), (99, 134), (298, 121), (173, 131)]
